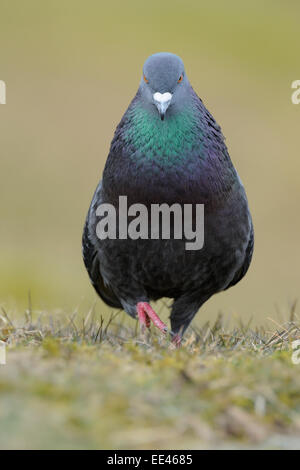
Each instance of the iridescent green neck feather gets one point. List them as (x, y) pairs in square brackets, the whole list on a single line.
[(165, 140)]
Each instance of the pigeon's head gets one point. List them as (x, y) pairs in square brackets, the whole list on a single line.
[(164, 85)]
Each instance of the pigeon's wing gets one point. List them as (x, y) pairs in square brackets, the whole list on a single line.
[(91, 256), (248, 256)]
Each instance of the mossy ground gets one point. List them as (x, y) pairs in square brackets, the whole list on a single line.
[(71, 383)]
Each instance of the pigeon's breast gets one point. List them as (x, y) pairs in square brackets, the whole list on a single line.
[(181, 159)]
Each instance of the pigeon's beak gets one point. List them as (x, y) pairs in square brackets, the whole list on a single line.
[(162, 102)]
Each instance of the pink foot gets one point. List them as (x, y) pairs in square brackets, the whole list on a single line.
[(146, 314)]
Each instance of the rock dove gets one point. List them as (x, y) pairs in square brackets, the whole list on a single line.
[(168, 149)]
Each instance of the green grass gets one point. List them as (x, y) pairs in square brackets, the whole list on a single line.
[(90, 383)]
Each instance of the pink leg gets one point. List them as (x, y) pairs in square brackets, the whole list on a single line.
[(146, 313), (176, 340), (143, 318)]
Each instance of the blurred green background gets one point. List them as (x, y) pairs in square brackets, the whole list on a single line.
[(71, 69)]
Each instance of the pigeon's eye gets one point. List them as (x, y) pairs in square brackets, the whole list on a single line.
[(145, 79), (180, 78)]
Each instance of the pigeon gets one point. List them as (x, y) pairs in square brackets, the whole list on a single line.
[(168, 149)]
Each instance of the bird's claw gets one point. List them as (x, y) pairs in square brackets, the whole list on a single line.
[(146, 314)]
